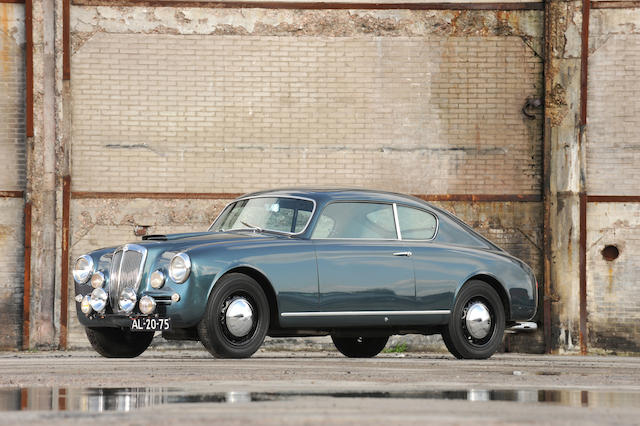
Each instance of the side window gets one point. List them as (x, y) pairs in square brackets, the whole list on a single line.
[(356, 220), (416, 224)]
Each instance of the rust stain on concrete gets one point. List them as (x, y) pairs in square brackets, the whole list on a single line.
[(4, 33)]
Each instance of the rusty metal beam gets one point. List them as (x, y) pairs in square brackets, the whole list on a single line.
[(534, 198), (314, 5), (12, 1), (156, 195), (229, 195), (613, 198), (615, 4), (26, 295), (64, 280), (28, 32), (11, 194), (66, 56), (583, 273)]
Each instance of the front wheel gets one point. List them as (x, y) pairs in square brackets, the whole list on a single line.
[(359, 347), (477, 322), (236, 319), (118, 343)]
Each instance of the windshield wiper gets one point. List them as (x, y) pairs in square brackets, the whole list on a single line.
[(266, 231)]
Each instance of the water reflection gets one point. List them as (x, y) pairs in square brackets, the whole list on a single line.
[(129, 399)]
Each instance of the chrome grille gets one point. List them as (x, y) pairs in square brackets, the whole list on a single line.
[(126, 271)]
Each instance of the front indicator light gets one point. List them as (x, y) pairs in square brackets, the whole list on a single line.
[(127, 300), (98, 299), (175, 297), (85, 305), (157, 279), (97, 280), (147, 305)]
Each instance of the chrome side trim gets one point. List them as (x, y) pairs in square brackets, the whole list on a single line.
[(362, 313), (527, 326)]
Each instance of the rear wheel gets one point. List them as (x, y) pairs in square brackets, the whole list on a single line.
[(477, 322), (236, 319), (118, 343), (359, 347)]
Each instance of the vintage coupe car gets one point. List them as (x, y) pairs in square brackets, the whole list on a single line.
[(354, 264)]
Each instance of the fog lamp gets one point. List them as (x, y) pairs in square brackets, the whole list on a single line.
[(98, 299), (147, 305), (127, 300), (157, 279), (85, 305), (97, 280)]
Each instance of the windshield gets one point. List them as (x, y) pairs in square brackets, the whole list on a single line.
[(280, 214)]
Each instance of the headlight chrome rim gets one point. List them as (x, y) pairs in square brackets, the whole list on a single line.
[(147, 305), (157, 279), (98, 299), (177, 276), (127, 300), (97, 280), (81, 274)]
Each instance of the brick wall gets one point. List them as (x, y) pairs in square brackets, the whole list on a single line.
[(12, 172), (613, 159), (612, 286), (12, 121), (233, 113)]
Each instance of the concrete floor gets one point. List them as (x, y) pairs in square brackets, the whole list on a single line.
[(188, 386)]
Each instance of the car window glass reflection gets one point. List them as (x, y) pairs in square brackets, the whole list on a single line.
[(356, 220), (416, 224), (277, 214)]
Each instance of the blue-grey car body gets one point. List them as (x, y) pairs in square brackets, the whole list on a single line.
[(327, 283)]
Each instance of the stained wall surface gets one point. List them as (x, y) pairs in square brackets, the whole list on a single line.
[(613, 156), (12, 172)]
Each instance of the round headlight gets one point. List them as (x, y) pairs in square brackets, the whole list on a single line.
[(85, 305), (147, 305), (157, 279), (83, 269), (97, 280), (180, 268), (127, 300), (98, 299)]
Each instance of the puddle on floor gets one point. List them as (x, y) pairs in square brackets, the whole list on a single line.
[(128, 399)]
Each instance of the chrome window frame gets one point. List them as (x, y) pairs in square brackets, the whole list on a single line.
[(291, 197), (435, 232)]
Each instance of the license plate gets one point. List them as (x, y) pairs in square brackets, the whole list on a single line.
[(150, 324)]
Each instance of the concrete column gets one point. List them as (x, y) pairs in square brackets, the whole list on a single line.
[(564, 172), (41, 177)]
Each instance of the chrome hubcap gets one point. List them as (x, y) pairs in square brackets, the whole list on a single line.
[(478, 320), (239, 317)]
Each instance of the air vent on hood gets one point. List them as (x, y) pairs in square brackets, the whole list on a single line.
[(156, 237)]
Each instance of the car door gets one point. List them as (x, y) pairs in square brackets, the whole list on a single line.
[(362, 266), (436, 265)]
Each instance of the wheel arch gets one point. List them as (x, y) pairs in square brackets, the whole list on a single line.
[(498, 287), (266, 286)]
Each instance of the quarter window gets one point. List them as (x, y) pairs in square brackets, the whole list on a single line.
[(416, 224), (356, 220)]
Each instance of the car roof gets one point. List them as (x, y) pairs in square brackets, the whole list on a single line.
[(343, 194)]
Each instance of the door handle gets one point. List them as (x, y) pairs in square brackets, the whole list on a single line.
[(403, 253)]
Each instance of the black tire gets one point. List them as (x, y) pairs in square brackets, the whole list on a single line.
[(456, 336), (360, 347), (117, 342), (212, 329)]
